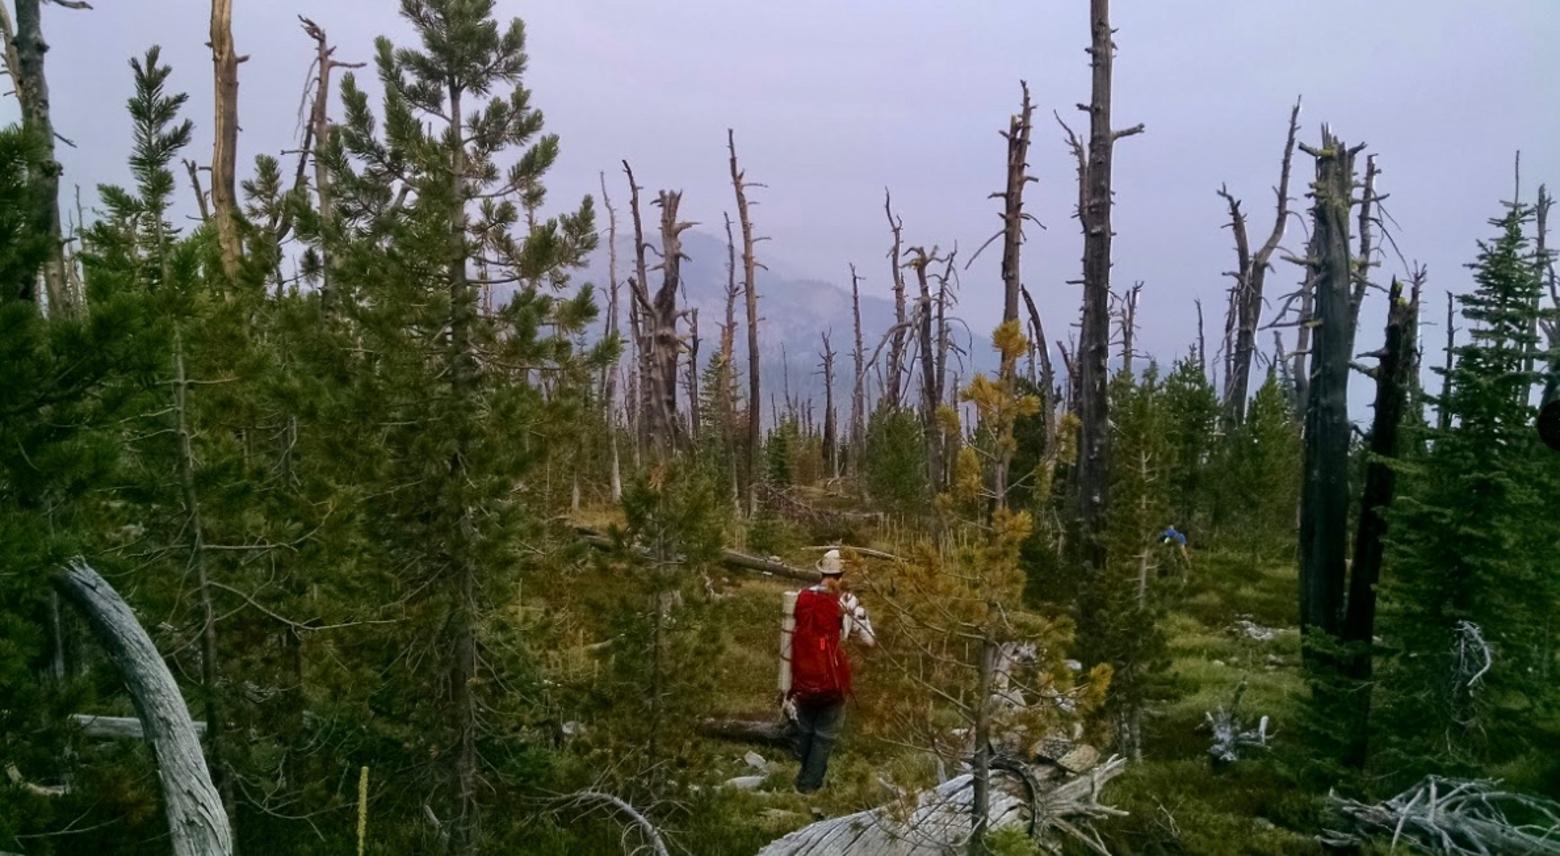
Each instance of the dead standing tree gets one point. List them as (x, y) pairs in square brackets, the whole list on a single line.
[(1394, 376), (1249, 275), (659, 316), (896, 348), (640, 322), (931, 377), (830, 440), (858, 397), (25, 60), (318, 133), (224, 150), (1324, 498), (750, 266), (1094, 210), (609, 374)]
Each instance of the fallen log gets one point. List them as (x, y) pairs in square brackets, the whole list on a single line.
[(938, 822), (118, 727), (197, 824), (730, 558), (766, 732)]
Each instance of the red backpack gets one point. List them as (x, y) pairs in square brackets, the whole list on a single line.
[(819, 670)]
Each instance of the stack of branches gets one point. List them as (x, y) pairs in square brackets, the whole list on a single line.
[(1453, 817)]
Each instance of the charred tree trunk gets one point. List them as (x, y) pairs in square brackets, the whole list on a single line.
[(695, 417), (1394, 377), (1093, 476), (1324, 499), (197, 823), (1363, 263), (1443, 412), (740, 184), (830, 440), (1129, 307), (1303, 344), (32, 90), (1249, 274), (224, 151), (858, 397), (896, 348)]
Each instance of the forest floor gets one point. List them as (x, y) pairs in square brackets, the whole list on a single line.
[(1178, 802)]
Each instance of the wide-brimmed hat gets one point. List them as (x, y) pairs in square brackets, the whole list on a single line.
[(830, 565)]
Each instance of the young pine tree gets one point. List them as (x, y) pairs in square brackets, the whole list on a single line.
[(1469, 583)]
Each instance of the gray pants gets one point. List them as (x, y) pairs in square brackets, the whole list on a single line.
[(818, 727)]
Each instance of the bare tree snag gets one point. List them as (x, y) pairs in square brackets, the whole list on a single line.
[(1093, 477), (1369, 199), (1306, 321), (1324, 499), (695, 417), (224, 151), (740, 184), (931, 383), (1394, 377), (659, 315), (319, 131), (1443, 412), (1249, 274), (858, 397), (201, 202), (1129, 307), (1013, 216), (32, 90), (638, 286), (896, 350), (609, 375), (1202, 343), (728, 341), (830, 441), (197, 823)]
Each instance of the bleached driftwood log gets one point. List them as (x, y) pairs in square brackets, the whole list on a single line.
[(1453, 817), (938, 821), (197, 825)]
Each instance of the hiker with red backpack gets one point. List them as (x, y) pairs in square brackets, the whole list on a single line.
[(825, 615)]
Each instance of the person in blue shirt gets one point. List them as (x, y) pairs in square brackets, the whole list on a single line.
[(1170, 536)]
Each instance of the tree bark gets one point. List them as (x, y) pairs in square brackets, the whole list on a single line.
[(931, 383), (197, 823), (1443, 412), (638, 287), (830, 440), (1250, 274), (659, 315), (33, 93), (1324, 497), (740, 184), (1093, 478), (1363, 263), (1394, 377), (224, 151)]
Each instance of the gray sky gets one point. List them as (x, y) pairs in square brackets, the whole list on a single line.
[(832, 101)]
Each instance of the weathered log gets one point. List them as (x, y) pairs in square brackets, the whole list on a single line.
[(119, 727), (766, 732), (939, 820), (197, 824), (730, 558)]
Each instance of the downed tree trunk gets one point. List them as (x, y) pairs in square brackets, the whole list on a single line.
[(765, 732), (731, 558), (939, 820), (197, 825), (119, 727)]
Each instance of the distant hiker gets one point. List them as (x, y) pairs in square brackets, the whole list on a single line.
[(826, 615), (1173, 537)]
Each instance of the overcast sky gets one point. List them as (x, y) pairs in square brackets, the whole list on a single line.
[(833, 101)]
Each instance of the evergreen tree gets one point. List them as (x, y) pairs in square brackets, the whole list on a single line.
[(1469, 582), (1257, 484), (1191, 434), (894, 464), (465, 407)]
